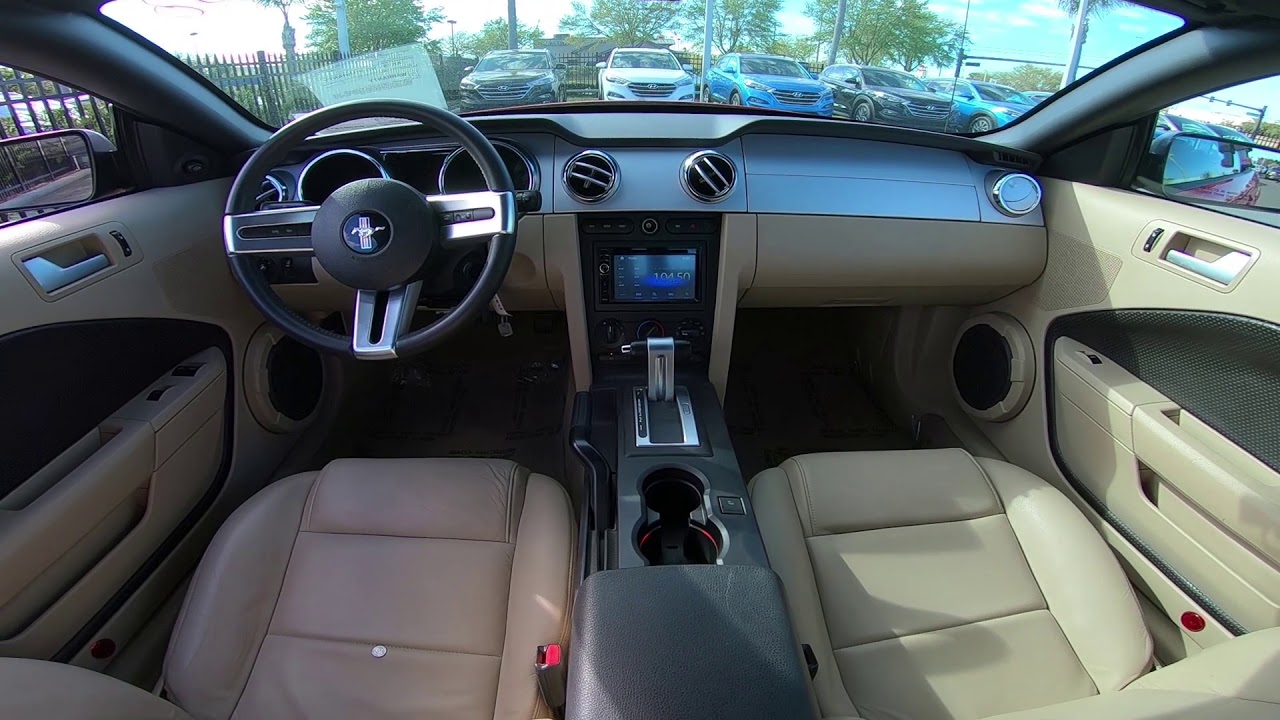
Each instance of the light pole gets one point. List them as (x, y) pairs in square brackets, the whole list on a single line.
[(835, 38), (513, 39), (1260, 111), (340, 16), (706, 48), (453, 44)]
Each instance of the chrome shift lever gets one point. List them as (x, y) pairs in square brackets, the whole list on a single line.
[(661, 353), (662, 369)]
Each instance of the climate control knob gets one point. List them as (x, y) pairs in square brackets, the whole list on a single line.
[(649, 329)]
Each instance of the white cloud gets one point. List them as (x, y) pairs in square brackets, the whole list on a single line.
[(1134, 28), (795, 23), (1042, 8)]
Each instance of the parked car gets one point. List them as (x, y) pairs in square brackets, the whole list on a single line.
[(980, 106), (1229, 133), (505, 78), (768, 81), (1037, 96), (876, 94), (645, 74)]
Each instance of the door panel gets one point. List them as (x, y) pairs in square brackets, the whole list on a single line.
[(1169, 440), (1180, 487), (107, 497)]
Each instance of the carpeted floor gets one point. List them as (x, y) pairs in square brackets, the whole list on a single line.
[(479, 395), (793, 390)]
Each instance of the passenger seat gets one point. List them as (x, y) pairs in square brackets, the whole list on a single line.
[(935, 585)]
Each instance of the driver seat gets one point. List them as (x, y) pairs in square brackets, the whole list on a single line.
[(393, 588)]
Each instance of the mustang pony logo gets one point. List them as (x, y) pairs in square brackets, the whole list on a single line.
[(363, 233)]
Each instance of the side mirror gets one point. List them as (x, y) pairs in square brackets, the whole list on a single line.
[(468, 68), (49, 170), (561, 66), (600, 66), (687, 67), (731, 71), (1204, 168), (855, 82)]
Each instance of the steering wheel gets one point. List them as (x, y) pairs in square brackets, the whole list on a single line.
[(374, 236)]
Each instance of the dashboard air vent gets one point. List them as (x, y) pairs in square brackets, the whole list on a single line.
[(708, 176), (591, 176), (271, 190), (1012, 159)]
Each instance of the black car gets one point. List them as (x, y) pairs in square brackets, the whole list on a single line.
[(876, 94), (506, 78)]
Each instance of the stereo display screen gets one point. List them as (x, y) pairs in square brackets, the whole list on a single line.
[(654, 278)]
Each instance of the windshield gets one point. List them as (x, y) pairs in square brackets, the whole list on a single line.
[(647, 61), (998, 93), (772, 66), (282, 59), (892, 79), (521, 61)]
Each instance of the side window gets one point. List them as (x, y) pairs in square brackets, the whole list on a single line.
[(1220, 151), (50, 172)]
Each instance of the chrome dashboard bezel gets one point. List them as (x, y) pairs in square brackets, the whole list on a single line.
[(535, 175), (302, 176)]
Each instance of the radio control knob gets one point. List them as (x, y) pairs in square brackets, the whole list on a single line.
[(604, 268), (650, 329)]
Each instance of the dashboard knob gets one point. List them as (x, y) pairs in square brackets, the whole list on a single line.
[(1015, 194), (610, 332), (650, 329)]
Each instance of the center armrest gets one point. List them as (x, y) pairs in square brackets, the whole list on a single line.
[(682, 641)]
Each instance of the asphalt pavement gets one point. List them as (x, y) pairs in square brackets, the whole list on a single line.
[(1269, 196)]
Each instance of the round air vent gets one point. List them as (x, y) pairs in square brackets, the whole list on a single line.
[(993, 367), (1015, 194), (708, 176), (591, 176), (271, 190)]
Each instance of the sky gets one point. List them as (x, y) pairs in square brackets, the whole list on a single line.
[(1019, 30)]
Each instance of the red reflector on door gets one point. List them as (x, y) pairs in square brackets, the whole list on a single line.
[(1192, 621), (103, 648)]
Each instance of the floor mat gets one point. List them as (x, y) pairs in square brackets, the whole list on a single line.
[(793, 390), (480, 395)]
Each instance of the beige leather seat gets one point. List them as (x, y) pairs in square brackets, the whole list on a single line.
[(932, 584), (371, 589)]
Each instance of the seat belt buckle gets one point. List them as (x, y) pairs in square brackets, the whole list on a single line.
[(553, 683)]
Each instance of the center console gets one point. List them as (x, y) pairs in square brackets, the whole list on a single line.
[(677, 595), (649, 275)]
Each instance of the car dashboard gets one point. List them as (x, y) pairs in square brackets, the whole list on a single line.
[(767, 212)]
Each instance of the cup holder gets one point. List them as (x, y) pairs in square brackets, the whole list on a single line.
[(677, 531)]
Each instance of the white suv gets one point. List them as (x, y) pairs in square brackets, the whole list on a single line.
[(645, 74)]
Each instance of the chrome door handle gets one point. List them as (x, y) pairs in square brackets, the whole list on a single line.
[(51, 276)]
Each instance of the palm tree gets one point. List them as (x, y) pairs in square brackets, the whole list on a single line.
[(287, 36), (1096, 7)]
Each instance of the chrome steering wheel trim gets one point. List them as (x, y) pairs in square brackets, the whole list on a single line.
[(352, 236)]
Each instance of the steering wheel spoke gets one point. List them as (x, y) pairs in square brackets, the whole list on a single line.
[(270, 232), (381, 317), (474, 218)]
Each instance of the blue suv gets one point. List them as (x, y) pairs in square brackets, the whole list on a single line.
[(981, 106), (768, 81)]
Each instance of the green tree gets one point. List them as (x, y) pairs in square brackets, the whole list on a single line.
[(737, 26), (371, 24), (796, 47), (922, 36), (868, 29), (625, 22), (493, 36), (1029, 77), (288, 38)]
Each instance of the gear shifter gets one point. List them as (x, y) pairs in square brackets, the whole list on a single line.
[(663, 412)]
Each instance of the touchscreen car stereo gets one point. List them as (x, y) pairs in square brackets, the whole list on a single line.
[(649, 275)]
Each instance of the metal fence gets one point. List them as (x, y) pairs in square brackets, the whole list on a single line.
[(30, 104)]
